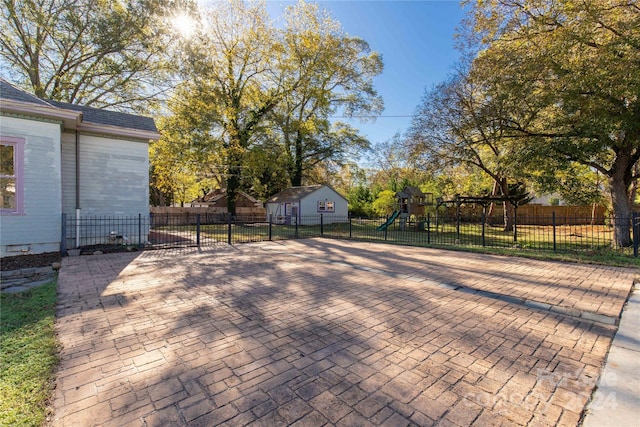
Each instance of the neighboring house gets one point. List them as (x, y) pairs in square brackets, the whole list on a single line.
[(58, 158), (245, 204), (306, 204), (547, 200)]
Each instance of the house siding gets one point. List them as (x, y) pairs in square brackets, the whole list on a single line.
[(38, 229), (309, 205), (114, 177), (68, 154)]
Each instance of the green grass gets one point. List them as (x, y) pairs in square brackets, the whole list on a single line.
[(576, 243), (28, 355)]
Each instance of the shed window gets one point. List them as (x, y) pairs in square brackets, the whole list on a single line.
[(11, 175), (325, 206)]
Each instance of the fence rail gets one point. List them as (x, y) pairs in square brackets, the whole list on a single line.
[(157, 231)]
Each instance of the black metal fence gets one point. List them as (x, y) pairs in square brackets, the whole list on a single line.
[(197, 230)]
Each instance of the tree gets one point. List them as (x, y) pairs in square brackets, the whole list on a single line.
[(265, 171), (456, 125), (576, 65), (245, 76), (182, 166), (385, 203), (235, 76), (338, 72), (93, 52)]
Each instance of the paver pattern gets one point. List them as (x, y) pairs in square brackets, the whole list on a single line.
[(324, 332)]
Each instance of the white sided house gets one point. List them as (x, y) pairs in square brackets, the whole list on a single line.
[(62, 160), (306, 205)]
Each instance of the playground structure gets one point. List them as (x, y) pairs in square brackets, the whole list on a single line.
[(411, 201)]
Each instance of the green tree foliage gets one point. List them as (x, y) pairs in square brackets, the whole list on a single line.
[(235, 74), (265, 171), (98, 53), (385, 203), (252, 85), (351, 181), (182, 167), (456, 125), (575, 66), (360, 201), (338, 70)]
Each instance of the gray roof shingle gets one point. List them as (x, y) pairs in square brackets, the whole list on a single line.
[(111, 118), (89, 114), (293, 194), (8, 91)]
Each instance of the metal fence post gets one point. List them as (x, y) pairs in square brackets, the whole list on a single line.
[(321, 225), (350, 227), (635, 226), (139, 230), (63, 240), (515, 223), (229, 228), (428, 228), (553, 222), (295, 219), (386, 229), (458, 223), (484, 219), (270, 226), (198, 230)]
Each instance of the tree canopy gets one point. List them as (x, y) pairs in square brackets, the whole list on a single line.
[(97, 53), (574, 69), (252, 85)]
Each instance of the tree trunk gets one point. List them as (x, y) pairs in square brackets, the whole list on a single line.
[(620, 178), (296, 176), (494, 193), (234, 161), (621, 212), (509, 214), (509, 211)]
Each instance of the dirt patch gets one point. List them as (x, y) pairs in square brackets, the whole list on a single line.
[(19, 262), (106, 249)]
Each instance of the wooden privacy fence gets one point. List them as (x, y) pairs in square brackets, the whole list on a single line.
[(164, 215), (540, 214)]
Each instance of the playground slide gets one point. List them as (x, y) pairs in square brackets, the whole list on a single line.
[(389, 221)]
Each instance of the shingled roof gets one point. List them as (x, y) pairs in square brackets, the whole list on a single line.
[(111, 118), (294, 194), (89, 114), (8, 91)]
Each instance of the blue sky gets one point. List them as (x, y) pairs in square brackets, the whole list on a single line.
[(416, 40)]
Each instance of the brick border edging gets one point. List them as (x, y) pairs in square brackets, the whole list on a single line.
[(26, 272)]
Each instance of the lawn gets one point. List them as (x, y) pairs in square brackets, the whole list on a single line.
[(582, 243), (28, 355)]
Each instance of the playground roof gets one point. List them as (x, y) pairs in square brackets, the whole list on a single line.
[(409, 192)]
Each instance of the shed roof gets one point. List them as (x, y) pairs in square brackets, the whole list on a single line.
[(410, 191), (221, 193), (293, 194)]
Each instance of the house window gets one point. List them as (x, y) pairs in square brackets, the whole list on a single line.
[(325, 206), (11, 175)]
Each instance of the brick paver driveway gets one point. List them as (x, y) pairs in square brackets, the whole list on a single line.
[(326, 332)]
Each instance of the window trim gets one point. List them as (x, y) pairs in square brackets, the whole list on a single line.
[(18, 169), (323, 206)]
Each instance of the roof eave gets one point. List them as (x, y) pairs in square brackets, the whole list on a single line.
[(70, 119), (119, 131)]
